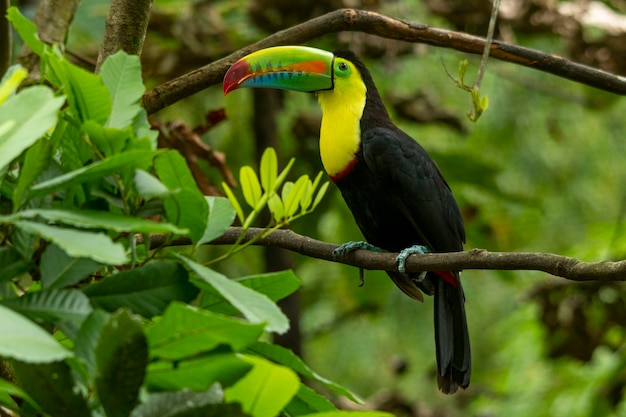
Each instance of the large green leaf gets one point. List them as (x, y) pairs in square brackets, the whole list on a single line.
[(93, 171), (121, 74), (108, 139), (52, 386), (24, 118), (186, 206), (265, 390), (121, 359), (77, 243), (147, 290), (67, 308), (254, 306), (221, 216), (351, 414), (275, 285), (185, 331), (101, 220), (286, 357), (59, 270), (197, 374), (24, 340)]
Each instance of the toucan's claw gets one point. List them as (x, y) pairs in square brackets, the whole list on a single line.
[(405, 253), (352, 246)]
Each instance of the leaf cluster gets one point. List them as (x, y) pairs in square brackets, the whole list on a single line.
[(94, 324)]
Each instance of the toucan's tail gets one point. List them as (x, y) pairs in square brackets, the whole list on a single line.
[(454, 361)]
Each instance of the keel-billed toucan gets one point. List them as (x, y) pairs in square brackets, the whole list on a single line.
[(394, 190)]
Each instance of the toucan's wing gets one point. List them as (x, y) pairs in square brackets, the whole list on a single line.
[(416, 187)]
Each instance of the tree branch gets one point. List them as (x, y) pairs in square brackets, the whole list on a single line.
[(6, 43), (125, 28), (387, 27), (560, 266)]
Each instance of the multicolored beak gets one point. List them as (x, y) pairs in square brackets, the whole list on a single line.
[(297, 68)]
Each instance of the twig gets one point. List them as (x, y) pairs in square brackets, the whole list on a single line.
[(383, 26), (5, 37), (557, 265), (125, 28), (488, 42)]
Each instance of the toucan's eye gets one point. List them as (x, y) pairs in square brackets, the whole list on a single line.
[(342, 68)]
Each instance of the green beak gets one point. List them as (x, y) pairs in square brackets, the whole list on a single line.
[(297, 68)]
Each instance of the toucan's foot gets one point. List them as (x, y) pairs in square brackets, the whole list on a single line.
[(352, 246), (405, 253)]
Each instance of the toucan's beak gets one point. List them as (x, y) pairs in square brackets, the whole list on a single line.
[(297, 68)]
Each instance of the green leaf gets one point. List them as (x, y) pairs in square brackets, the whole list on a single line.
[(274, 285), (11, 390), (197, 374), (250, 186), (121, 359), (12, 263), (36, 161), (185, 331), (26, 29), (87, 339), (148, 186), (121, 74), (221, 216), (87, 96), (59, 270), (293, 196), (276, 207), (70, 307), (93, 171), (24, 340), (269, 169), (320, 195), (233, 200), (186, 207), (109, 140), (254, 306), (307, 401), (52, 386), (287, 358), (187, 404), (79, 244), (24, 118), (11, 80), (101, 220), (351, 414), (147, 290), (265, 390)]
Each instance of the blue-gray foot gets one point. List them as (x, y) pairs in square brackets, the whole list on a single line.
[(405, 253), (352, 246)]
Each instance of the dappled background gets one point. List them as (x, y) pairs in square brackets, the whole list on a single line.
[(542, 171)]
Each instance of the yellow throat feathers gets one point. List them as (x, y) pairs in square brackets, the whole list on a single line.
[(342, 108)]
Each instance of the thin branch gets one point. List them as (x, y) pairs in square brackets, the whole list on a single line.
[(560, 266), (387, 27), (490, 31), (125, 28), (6, 44)]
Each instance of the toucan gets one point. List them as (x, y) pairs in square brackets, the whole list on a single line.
[(395, 191)]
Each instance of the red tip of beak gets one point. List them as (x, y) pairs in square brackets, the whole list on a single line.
[(235, 75)]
